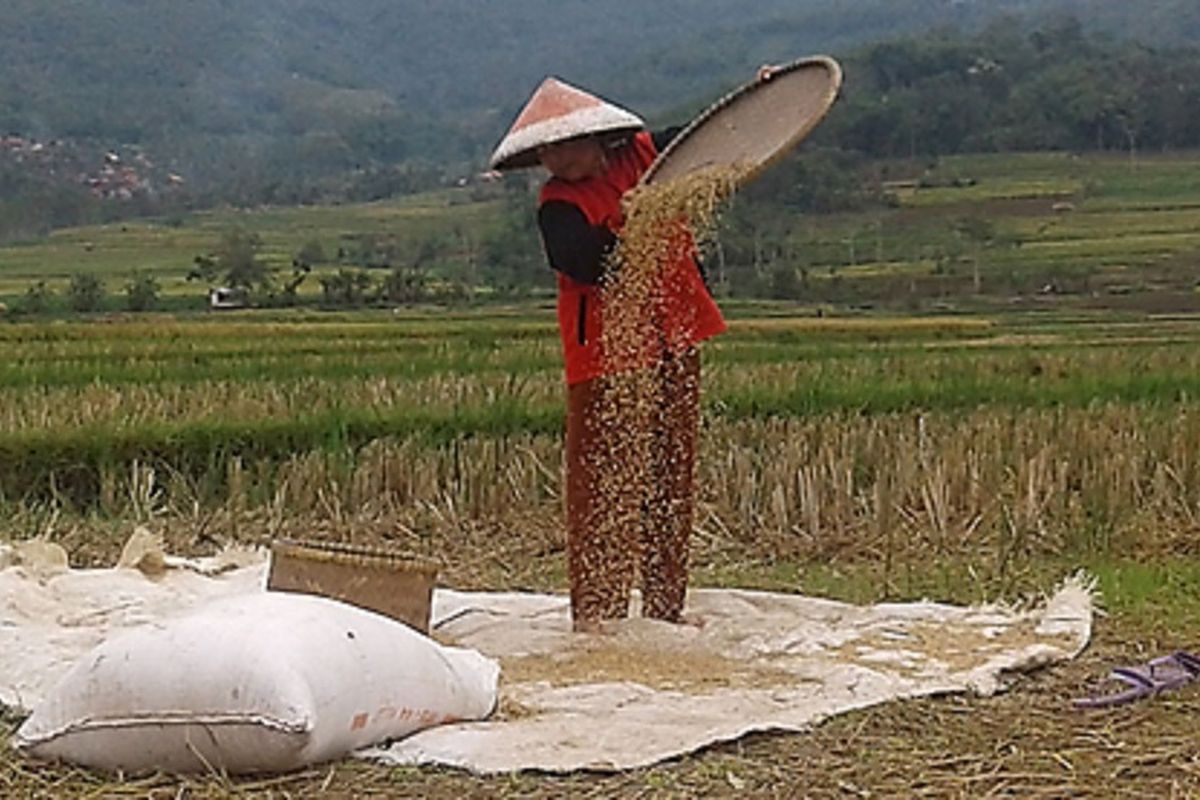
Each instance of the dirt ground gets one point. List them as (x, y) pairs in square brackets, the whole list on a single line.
[(1028, 742)]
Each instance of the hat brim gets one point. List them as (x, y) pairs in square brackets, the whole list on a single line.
[(519, 148)]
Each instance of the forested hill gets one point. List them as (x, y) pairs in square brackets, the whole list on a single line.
[(241, 97)]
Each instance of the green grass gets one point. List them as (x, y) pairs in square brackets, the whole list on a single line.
[(1166, 590), (991, 189), (166, 249), (1128, 217)]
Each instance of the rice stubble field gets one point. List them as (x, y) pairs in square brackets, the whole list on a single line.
[(865, 458)]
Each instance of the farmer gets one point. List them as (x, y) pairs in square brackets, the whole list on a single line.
[(595, 153)]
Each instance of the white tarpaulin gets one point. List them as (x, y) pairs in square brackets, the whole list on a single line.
[(50, 616), (638, 694)]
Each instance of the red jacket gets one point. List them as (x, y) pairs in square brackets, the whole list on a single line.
[(685, 311)]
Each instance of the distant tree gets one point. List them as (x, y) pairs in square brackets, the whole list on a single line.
[(785, 283), (322, 122), (453, 293), (346, 287), (821, 181), (85, 292), (36, 299), (981, 235), (205, 269), (426, 250), (288, 295), (405, 285), (382, 137), (752, 235), (1063, 34), (371, 250), (310, 254), (510, 252), (237, 255), (235, 264), (141, 293)]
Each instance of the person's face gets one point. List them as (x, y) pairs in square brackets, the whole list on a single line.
[(573, 160)]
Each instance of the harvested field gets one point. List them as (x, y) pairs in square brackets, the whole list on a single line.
[(866, 459)]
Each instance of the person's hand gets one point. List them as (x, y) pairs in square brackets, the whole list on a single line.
[(766, 72)]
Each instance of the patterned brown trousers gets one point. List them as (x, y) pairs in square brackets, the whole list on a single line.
[(630, 478)]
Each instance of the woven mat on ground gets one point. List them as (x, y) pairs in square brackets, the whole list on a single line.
[(638, 694)]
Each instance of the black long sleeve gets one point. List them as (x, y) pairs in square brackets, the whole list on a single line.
[(573, 246)]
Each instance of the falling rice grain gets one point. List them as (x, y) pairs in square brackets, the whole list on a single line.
[(663, 224)]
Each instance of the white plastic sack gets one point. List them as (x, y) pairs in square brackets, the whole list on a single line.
[(257, 683)]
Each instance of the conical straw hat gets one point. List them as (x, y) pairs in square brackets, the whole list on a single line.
[(556, 112)]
